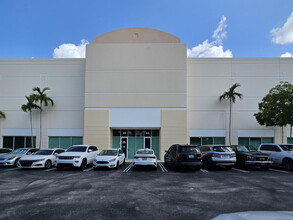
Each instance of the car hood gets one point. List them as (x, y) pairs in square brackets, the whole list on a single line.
[(105, 158), (260, 215), (69, 154), (34, 157), (6, 156)]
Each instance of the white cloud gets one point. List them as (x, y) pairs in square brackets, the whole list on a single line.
[(284, 35), (287, 54), (70, 50), (214, 48)]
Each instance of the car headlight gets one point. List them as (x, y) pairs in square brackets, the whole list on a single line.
[(10, 158), (250, 158), (39, 160), (76, 157), (112, 160)]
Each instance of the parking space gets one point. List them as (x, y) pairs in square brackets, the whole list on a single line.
[(142, 193)]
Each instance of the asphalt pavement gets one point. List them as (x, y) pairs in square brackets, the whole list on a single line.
[(141, 194)]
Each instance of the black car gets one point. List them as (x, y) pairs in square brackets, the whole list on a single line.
[(183, 156), (248, 156)]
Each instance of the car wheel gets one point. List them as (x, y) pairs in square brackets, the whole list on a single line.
[(83, 164), (205, 164), (16, 162), (117, 165), (58, 167), (197, 168), (48, 164), (241, 164), (287, 164)]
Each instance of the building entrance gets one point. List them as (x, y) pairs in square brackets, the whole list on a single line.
[(130, 140)]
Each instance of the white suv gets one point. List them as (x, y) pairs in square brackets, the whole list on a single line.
[(77, 156), (281, 154)]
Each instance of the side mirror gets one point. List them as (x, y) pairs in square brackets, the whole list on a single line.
[(89, 151), (29, 153), (55, 154)]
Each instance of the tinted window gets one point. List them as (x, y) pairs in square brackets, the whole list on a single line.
[(93, 148), (108, 153), (4, 150), (267, 147), (286, 147), (145, 152), (276, 148), (188, 149), (59, 151), (77, 149), (222, 149), (44, 152)]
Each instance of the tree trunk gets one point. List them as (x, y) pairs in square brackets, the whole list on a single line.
[(40, 129), (291, 134), (230, 122), (282, 134), (31, 121)]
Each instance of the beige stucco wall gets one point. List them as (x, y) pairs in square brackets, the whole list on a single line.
[(136, 35), (135, 75), (208, 78), (97, 128), (173, 129), (65, 78)]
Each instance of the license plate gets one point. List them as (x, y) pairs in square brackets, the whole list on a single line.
[(144, 158), (190, 156), (225, 156)]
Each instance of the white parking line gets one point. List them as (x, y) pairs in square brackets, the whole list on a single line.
[(127, 168), (204, 171), (89, 169), (279, 171), (164, 170), (47, 170), (243, 171)]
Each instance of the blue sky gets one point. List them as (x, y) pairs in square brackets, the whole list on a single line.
[(246, 28)]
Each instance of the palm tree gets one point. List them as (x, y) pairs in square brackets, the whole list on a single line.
[(29, 107), (231, 95), (2, 115), (44, 100)]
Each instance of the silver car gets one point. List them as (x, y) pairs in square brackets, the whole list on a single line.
[(217, 155), (145, 157), (13, 157), (4, 151)]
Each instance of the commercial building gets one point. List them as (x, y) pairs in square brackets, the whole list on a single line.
[(136, 88)]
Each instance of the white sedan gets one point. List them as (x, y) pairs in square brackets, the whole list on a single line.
[(145, 157), (111, 158), (41, 159)]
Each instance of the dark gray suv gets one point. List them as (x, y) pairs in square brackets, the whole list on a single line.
[(183, 156)]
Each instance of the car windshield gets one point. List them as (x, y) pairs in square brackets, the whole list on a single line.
[(222, 149), (251, 148), (145, 152), (242, 149), (4, 151), (77, 149), (187, 149), (19, 151), (108, 153), (286, 147), (44, 152)]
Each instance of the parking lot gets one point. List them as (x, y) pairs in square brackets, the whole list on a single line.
[(141, 194)]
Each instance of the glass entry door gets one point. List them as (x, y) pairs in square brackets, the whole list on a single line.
[(124, 145), (148, 142)]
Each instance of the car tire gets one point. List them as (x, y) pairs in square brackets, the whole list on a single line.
[(83, 164), (197, 168), (117, 165), (205, 165), (58, 167), (48, 164), (16, 162), (287, 164)]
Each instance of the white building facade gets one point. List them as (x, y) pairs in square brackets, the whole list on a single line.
[(136, 89)]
